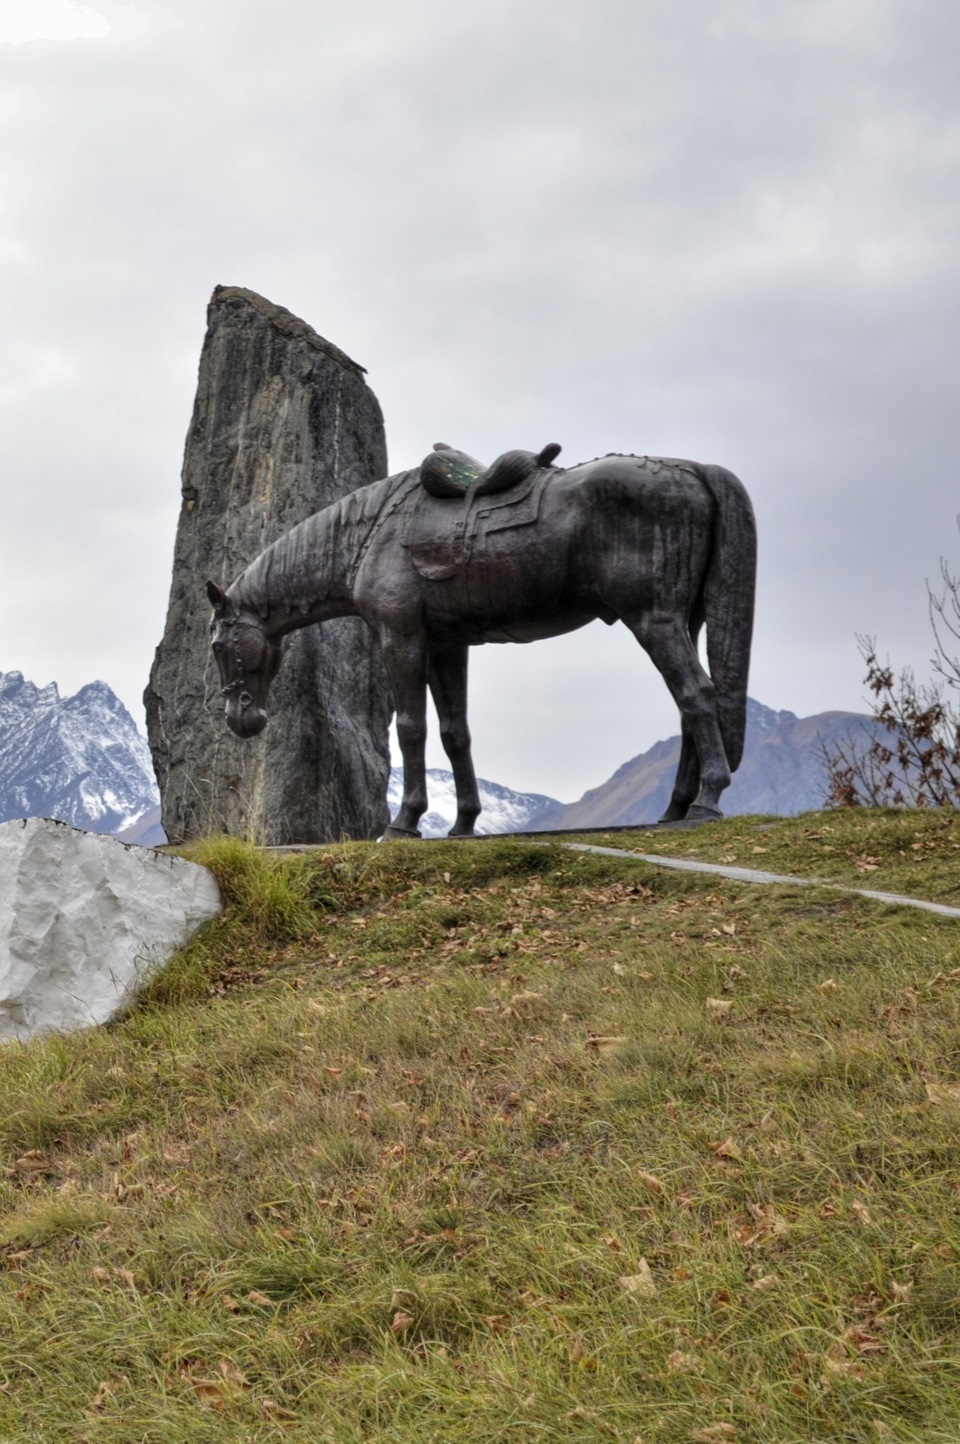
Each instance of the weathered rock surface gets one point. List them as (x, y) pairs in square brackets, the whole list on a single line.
[(84, 921), (283, 425)]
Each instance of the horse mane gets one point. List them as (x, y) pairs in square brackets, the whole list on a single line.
[(298, 570)]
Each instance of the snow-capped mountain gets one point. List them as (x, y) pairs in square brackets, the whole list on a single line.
[(503, 809), (80, 759)]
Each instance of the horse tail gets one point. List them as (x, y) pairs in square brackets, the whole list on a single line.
[(728, 593)]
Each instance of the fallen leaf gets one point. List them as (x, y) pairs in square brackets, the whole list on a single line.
[(259, 1299), (718, 1007), (945, 1095), (680, 1363), (104, 1392), (606, 1042), (641, 1283), (829, 985), (715, 1433), (232, 1375), (765, 1282), (843, 1368), (767, 1225), (33, 1162), (401, 1322), (580, 1356), (272, 1409), (729, 1148), (863, 1341), (951, 976), (650, 1182), (403, 1299), (861, 1210)]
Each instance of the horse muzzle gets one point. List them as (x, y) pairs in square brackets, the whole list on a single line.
[(246, 721)]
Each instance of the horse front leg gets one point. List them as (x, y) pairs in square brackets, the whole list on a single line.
[(447, 677), (405, 660)]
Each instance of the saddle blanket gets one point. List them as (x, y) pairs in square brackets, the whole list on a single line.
[(443, 536)]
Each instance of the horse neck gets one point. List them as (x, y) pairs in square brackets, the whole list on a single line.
[(301, 578), (307, 574)]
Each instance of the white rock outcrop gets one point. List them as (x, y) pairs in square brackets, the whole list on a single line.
[(84, 921)]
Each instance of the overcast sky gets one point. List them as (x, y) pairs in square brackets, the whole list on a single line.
[(717, 229)]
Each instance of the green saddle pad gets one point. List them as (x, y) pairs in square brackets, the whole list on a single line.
[(447, 472)]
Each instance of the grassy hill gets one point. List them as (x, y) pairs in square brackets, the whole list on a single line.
[(497, 1141)]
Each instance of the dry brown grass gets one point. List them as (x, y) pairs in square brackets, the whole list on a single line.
[(475, 1143)]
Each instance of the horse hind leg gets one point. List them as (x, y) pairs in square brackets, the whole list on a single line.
[(447, 678), (667, 641), (687, 782)]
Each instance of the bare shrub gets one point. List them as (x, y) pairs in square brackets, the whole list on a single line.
[(910, 757)]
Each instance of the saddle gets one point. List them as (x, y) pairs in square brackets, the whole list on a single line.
[(447, 472), (441, 537)]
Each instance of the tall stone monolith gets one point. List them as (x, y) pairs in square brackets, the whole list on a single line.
[(283, 424)]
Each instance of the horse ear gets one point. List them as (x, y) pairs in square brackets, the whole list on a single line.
[(549, 454), (216, 594)]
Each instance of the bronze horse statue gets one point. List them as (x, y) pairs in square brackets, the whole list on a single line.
[(451, 554)]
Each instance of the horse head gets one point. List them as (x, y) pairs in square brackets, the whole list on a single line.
[(248, 660)]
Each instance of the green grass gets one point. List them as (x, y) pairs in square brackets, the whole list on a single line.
[(914, 852), (500, 1142)]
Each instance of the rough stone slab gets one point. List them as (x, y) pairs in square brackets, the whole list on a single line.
[(283, 425), (84, 922)]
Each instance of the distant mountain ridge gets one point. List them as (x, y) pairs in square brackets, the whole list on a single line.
[(782, 772), (80, 759)]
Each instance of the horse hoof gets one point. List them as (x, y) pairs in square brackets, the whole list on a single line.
[(400, 834), (697, 812)]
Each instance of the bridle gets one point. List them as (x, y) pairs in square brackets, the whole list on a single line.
[(244, 697)]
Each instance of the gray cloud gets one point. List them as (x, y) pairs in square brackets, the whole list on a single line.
[(725, 231)]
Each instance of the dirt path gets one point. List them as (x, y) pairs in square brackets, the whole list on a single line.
[(748, 874)]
